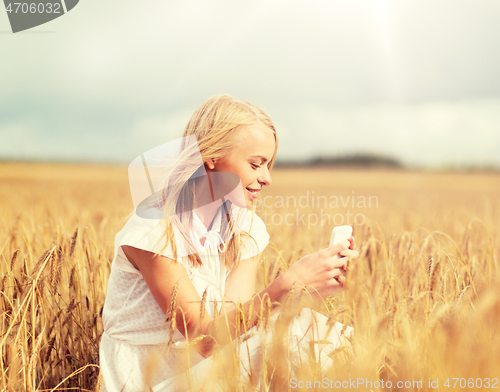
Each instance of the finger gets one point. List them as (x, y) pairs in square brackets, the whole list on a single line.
[(338, 282), (346, 265), (341, 279), (338, 262), (337, 272), (335, 249), (349, 253), (352, 242)]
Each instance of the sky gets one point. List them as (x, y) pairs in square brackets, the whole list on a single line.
[(415, 80)]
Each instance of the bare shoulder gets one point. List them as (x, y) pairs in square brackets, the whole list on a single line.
[(160, 273), (140, 257)]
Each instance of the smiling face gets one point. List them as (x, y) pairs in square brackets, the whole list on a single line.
[(249, 159)]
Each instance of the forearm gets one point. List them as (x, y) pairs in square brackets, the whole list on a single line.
[(314, 277), (242, 317)]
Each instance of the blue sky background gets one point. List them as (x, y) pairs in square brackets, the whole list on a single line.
[(417, 80)]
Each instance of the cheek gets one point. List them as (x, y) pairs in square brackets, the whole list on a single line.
[(241, 168), (249, 177), (243, 173)]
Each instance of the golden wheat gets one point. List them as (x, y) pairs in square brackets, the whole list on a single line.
[(422, 297)]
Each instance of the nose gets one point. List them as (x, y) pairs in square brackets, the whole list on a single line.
[(265, 178)]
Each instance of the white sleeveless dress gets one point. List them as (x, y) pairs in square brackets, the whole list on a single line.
[(133, 354)]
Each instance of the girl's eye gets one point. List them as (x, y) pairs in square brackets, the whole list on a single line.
[(255, 166)]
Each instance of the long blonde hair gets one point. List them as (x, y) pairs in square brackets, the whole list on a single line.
[(216, 125)]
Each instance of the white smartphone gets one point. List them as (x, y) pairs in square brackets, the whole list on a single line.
[(339, 234)]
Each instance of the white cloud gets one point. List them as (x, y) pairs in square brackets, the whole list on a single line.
[(434, 133), (157, 129), (407, 78)]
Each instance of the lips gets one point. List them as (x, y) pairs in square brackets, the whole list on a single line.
[(254, 193)]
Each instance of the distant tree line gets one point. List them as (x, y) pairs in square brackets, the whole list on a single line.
[(353, 160)]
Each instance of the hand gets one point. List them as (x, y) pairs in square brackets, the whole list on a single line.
[(349, 253), (321, 274)]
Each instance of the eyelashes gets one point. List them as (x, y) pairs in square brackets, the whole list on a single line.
[(255, 166)]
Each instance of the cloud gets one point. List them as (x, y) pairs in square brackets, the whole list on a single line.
[(434, 133), (389, 74), (157, 129)]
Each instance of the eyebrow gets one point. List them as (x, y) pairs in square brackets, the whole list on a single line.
[(264, 160)]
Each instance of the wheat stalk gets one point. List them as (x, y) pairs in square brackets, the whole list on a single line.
[(173, 311), (73, 242), (34, 353), (203, 304), (13, 260)]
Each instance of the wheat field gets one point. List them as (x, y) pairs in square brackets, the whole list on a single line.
[(423, 296)]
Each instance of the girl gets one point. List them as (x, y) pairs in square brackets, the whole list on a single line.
[(173, 279)]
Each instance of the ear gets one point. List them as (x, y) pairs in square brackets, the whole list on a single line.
[(210, 163)]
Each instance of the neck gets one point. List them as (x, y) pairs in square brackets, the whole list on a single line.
[(207, 212), (209, 206)]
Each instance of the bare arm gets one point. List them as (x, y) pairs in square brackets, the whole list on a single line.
[(161, 275), (315, 272), (241, 281)]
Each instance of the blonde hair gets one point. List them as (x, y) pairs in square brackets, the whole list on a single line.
[(216, 125)]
